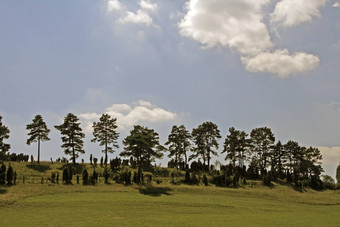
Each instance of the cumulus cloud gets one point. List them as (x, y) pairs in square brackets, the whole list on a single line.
[(238, 24), (129, 115), (114, 5), (142, 16), (294, 12), (147, 5), (235, 23), (331, 155), (281, 62), (336, 5)]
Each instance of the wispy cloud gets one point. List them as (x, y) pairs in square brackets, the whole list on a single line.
[(336, 5)]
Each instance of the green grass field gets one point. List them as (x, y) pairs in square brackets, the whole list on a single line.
[(35, 204)]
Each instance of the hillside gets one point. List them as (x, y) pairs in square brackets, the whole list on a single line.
[(32, 203)]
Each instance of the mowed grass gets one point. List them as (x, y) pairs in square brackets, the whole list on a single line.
[(165, 205)]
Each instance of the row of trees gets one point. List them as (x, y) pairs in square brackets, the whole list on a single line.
[(258, 148)]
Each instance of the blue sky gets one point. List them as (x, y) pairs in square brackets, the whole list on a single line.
[(237, 63)]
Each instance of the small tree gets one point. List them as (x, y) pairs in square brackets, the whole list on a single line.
[(38, 131)]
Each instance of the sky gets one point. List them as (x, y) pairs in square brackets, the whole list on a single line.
[(237, 63)]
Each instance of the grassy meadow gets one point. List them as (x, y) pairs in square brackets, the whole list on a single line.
[(35, 204)]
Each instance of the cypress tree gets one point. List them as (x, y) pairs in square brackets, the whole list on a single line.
[(10, 175), (85, 177), (106, 175), (187, 177), (3, 174)]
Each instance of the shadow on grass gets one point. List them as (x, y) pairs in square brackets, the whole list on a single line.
[(2, 191), (39, 168), (155, 191), (76, 168)]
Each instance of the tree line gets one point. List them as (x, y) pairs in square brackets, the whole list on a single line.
[(256, 155)]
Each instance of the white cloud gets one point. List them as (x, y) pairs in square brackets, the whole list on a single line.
[(281, 62), (238, 24), (142, 16), (140, 112), (114, 5), (147, 5), (336, 5), (235, 23), (294, 12), (331, 155)]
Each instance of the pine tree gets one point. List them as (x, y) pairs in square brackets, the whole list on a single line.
[(4, 134), (205, 137), (143, 145), (38, 131), (105, 133), (179, 144), (236, 146), (72, 136)]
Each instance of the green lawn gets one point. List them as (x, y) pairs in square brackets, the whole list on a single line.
[(165, 205)]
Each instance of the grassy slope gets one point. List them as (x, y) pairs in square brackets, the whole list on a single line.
[(165, 204)]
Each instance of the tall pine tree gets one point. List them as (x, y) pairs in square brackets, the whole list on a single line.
[(38, 131), (205, 137), (4, 134), (143, 145), (105, 133), (72, 136)]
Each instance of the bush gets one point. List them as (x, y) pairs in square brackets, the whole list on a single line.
[(328, 182), (195, 179)]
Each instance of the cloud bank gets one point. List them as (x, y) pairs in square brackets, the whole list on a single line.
[(239, 25), (129, 115)]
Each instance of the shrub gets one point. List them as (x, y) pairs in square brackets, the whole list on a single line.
[(266, 180), (328, 182)]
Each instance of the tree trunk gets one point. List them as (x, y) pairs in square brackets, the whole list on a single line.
[(105, 154), (39, 151)]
